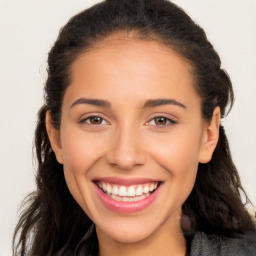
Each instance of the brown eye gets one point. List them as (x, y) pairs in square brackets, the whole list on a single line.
[(160, 120), (94, 120)]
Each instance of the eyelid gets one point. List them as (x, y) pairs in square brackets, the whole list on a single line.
[(83, 119), (171, 120)]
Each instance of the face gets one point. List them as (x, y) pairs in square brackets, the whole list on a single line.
[(131, 137)]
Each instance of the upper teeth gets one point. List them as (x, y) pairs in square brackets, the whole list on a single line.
[(121, 190)]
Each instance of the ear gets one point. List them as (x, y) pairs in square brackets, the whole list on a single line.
[(54, 137), (210, 137)]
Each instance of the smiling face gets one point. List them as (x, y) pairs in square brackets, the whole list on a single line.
[(131, 137)]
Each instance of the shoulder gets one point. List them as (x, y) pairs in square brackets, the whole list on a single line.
[(204, 244)]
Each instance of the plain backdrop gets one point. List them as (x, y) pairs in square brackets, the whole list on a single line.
[(28, 29)]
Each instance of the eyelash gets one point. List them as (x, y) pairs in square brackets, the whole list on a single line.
[(90, 118), (167, 121)]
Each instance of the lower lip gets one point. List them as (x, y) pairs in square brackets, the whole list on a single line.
[(126, 207)]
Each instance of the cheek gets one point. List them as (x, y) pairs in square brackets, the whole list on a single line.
[(180, 160), (178, 153), (80, 151)]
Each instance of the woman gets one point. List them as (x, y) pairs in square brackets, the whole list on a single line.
[(132, 158)]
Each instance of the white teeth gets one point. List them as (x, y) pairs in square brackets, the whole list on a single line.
[(152, 187), (109, 189), (117, 198), (122, 191), (127, 193), (129, 199), (131, 191), (139, 191), (115, 190), (146, 189), (104, 186)]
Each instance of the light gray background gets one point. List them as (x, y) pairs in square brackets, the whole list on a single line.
[(28, 28)]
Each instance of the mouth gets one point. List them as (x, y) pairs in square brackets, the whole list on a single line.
[(130, 193), (127, 196)]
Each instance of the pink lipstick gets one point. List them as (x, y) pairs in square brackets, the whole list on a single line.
[(127, 195)]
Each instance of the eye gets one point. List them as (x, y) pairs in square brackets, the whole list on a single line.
[(161, 121), (94, 120)]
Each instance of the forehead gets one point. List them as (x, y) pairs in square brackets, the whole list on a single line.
[(129, 50), (128, 66)]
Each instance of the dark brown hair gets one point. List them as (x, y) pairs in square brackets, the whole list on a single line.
[(51, 217)]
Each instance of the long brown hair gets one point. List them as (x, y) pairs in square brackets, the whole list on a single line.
[(51, 217)]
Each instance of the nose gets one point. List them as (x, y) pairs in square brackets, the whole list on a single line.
[(126, 150)]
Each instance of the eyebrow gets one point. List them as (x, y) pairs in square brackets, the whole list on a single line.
[(160, 102), (148, 104), (94, 102)]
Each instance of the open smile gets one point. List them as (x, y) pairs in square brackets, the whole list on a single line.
[(126, 198)]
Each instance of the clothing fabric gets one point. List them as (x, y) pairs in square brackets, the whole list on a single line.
[(212, 245), (199, 244)]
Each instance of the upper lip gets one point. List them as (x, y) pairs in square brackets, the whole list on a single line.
[(126, 181)]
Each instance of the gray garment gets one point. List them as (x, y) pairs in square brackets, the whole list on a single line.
[(200, 244), (213, 245)]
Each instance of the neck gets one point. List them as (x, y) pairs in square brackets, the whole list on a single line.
[(167, 240)]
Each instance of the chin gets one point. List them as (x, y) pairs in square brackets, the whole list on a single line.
[(129, 235)]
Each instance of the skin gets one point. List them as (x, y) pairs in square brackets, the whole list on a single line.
[(128, 140)]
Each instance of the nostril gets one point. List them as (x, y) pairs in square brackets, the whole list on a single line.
[(126, 160), (124, 166), (126, 149)]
